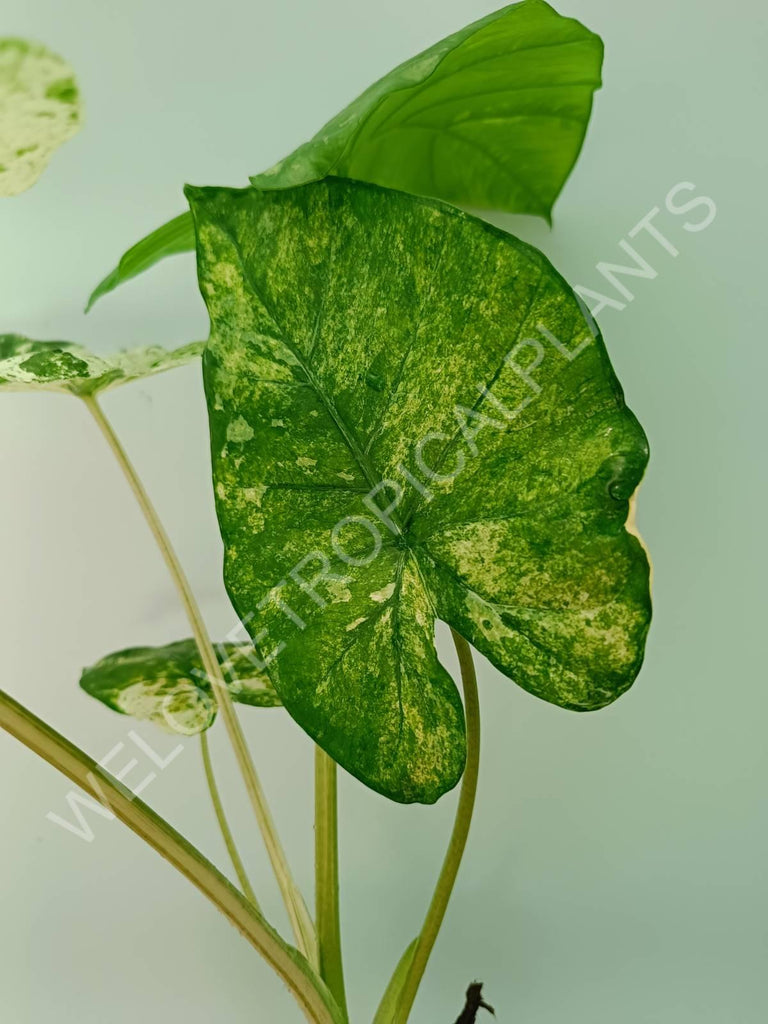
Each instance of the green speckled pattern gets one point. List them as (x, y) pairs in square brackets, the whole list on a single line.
[(27, 365), (363, 339), (167, 685)]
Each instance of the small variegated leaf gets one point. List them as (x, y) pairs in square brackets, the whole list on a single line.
[(40, 108), (62, 366), (167, 685), (412, 419)]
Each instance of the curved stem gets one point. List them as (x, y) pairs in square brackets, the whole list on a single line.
[(298, 914), (308, 989), (327, 877), (221, 817), (445, 882)]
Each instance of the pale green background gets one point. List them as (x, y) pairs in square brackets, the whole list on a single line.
[(616, 872)]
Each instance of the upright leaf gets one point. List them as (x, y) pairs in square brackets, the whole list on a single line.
[(167, 685), (40, 108), (411, 419), (385, 1013), (493, 117), (27, 365)]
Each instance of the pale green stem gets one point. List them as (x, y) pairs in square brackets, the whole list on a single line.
[(458, 841), (298, 914), (307, 987), (327, 877), (224, 828)]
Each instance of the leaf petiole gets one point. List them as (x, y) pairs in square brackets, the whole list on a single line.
[(305, 985), (298, 914), (458, 841), (224, 828), (327, 877)]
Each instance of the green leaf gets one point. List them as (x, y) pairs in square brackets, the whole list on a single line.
[(353, 330), (27, 365), (167, 685), (388, 1005), (493, 117), (178, 235), (40, 108)]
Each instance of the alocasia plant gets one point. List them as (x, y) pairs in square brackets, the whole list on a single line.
[(412, 419)]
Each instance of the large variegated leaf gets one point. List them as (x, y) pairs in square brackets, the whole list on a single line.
[(27, 365), (167, 685), (411, 419), (40, 108), (492, 117)]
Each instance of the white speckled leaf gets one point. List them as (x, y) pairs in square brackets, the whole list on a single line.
[(167, 685), (361, 336), (492, 117), (40, 108), (27, 365)]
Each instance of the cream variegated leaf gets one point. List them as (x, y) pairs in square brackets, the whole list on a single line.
[(167, 685), (62, 366), (411, 420), (40, 108)]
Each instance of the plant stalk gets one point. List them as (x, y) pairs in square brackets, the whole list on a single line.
[(327, 877), (298, 914), (307, 987), (224, 828), (458, 841)]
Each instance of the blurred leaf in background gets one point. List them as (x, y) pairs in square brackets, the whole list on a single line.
[(40, 108)]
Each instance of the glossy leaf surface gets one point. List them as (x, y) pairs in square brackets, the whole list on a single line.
[(492, 117), (412, 420)]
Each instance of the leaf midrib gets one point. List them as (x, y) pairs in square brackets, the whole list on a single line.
[(364, 464)]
